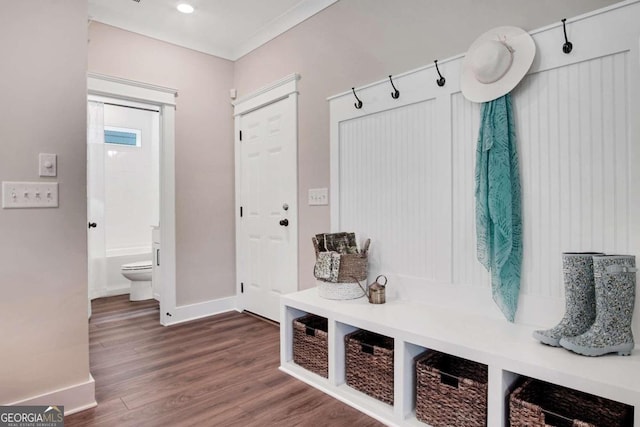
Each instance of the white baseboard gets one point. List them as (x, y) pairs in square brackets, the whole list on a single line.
[(75, 398), (189, 312), (109, 292)]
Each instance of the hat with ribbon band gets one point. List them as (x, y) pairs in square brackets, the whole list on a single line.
[(495, 63)]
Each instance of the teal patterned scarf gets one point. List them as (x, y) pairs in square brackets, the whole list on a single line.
[(498, 215)]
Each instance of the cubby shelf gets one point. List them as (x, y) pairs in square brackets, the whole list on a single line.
[(508, 350)]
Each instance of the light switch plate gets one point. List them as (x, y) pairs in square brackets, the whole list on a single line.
[(20, 195), (48, 164), (318, 196)]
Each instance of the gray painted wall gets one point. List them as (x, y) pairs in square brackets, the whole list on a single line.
[(43, 252)]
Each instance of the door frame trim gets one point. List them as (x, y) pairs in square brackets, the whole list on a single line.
[(165, 99), (269, 94), (266, 95)]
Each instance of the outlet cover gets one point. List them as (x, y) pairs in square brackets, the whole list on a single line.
[(318, 196)]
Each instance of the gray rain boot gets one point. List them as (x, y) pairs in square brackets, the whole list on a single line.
[(615, 277), (580, 302)]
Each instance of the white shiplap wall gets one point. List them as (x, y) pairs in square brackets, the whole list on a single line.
[(403, 170), (575, 164), (388, 151)]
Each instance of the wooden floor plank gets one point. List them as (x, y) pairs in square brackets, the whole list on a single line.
[(218, 371)]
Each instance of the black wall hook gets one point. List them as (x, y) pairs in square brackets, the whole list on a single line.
[(358, 104), (441, 81), (567, 46), (396, 93)]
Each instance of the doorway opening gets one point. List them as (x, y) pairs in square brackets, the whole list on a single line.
[(123, 195), (118, 111)]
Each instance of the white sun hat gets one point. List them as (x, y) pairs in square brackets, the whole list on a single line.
[(495, 63)]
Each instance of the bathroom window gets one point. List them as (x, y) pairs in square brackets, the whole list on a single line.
[(121, 136)]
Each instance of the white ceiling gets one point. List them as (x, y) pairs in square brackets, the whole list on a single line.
[(225, 28)]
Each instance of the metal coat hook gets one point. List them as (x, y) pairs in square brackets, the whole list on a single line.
[(396, 93), (358, 104), (567, 46), (441, 81)]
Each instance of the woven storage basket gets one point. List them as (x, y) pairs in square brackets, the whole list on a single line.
[(540, 404), (450, 391), (310, 344), (352, 266), (339, 291), (369, 364)]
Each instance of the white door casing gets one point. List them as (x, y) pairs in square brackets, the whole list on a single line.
[(97, 266), (164, 98), (266, 197)]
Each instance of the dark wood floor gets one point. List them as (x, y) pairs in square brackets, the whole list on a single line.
[(219, 371)]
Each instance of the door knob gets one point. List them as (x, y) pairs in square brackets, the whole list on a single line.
[(284, 222), (92, 225)]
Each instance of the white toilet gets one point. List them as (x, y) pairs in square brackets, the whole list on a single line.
[(140, 275)]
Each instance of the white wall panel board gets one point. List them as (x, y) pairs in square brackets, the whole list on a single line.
[(403, 170)]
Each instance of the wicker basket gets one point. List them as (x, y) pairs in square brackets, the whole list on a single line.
[(310, 344), (369, 364), (450, 391), (538, 404), (352, 266)]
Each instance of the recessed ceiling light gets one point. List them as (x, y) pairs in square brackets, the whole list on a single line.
[(185, 8)]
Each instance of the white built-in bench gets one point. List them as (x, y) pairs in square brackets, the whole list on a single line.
[(508, 350)]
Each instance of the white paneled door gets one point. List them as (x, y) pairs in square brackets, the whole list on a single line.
[(267, 227)]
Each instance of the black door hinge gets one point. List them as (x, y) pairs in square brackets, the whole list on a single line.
[(241, 287), (240, 135)]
